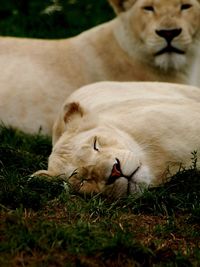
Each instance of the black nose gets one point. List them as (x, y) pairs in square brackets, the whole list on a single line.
[(169, 35)]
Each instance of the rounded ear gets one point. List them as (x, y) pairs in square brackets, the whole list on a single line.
[(68, 113), (71, 111), (121, 5)]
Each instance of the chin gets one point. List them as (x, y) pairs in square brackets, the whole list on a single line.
[(170, 61)]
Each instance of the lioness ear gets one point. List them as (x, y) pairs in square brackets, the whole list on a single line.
[(72, 110), (121, 5), (68, 114)]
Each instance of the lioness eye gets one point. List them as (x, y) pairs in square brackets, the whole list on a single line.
[(148, 8), (95, 144), (73, 173), (185, 6)]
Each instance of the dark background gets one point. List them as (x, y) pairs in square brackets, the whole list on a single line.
[(34, 18)]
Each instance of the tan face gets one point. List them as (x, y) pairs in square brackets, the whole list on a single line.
[(164, 31), (100, 160)]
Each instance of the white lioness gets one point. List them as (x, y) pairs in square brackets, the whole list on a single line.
[(114, 137), (148, 41)]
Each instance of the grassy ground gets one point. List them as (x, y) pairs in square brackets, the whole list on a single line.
[(43, 224)]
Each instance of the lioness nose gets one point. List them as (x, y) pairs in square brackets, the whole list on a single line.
[(169, 35), (115, 173)]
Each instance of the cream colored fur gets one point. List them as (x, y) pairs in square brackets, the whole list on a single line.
[(36, 75), (117, 137)]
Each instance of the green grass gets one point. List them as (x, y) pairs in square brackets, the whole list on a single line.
[(42, 224), (27, 18)]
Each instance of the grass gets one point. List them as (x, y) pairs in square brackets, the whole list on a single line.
[(42, 224), (28, 18)]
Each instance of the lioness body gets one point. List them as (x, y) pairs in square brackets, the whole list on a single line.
[(113, 137), (103, 95), (36, 75)]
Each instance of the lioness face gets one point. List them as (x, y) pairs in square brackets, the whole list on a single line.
[(96, 159), (102, 159), (164, 30)]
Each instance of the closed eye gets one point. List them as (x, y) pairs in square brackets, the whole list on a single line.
[(75, 172), (149, 8), (95, 144), (185, 6)]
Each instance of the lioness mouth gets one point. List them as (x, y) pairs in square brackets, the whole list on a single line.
[(117, 173), (169, 49)]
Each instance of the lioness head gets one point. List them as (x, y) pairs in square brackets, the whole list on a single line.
[(161, 32), (95, 157)]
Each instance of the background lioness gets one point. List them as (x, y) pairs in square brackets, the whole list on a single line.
[(149, 40), (115, 145)]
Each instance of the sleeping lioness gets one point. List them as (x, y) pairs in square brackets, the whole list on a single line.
[(149, 40), (115, 138)]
